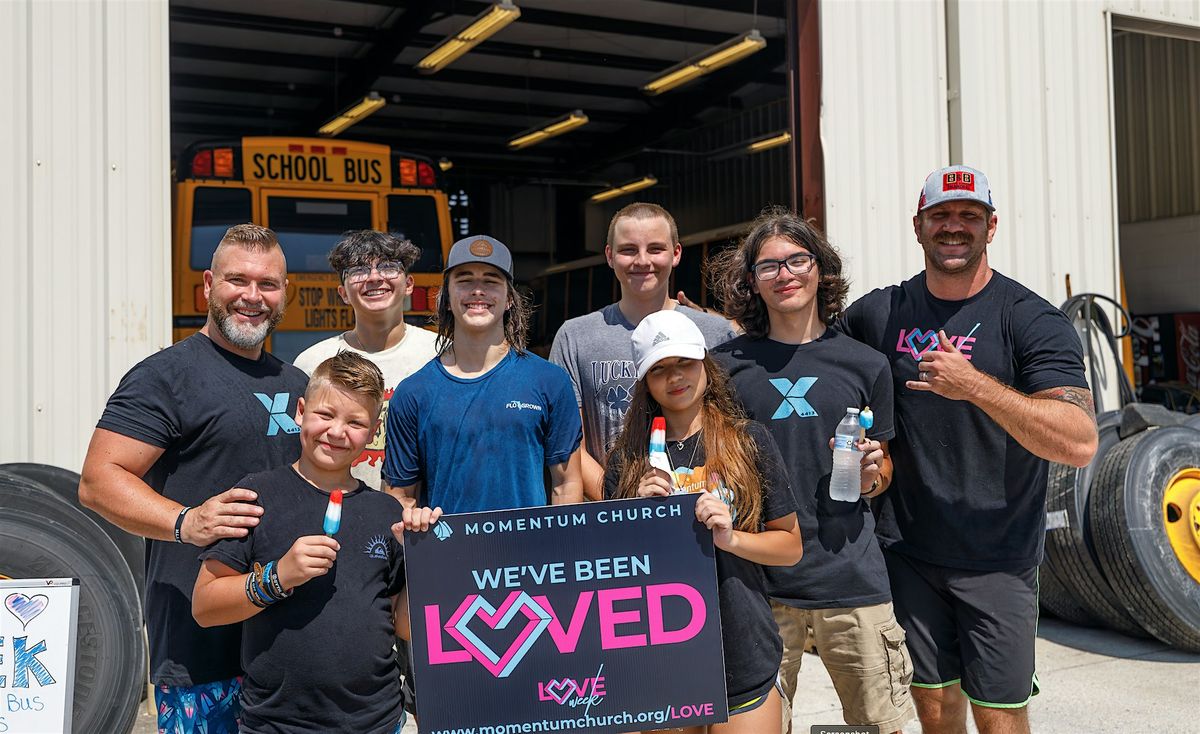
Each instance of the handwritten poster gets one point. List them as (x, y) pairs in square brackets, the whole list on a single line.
[(37, 654), (599, 617)]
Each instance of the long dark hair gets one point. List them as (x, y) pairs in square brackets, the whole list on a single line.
[(516, 319), (730, 272), (728, 449)]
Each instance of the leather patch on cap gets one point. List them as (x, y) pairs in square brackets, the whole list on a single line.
[(480, 248)]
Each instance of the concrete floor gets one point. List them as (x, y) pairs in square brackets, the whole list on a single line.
[(1093, 681)]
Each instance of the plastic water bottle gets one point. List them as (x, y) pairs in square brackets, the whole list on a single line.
[(844, 483)]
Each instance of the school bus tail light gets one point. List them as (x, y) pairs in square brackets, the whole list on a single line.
[(223, 162), (202, 164), (425, 174), (408, 172), (214, 163), (419, 301)]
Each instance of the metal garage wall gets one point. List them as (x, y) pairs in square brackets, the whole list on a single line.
[(85, 213), (1035, 116), (1156, 83), (883, 129)]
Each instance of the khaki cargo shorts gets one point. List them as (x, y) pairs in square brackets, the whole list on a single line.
[(864, 653)]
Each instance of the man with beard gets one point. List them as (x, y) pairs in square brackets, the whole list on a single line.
[(989, 387), (183, 426)]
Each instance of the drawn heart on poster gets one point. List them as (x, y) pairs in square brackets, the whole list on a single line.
[(476, 606), (26, 608), (560, 690)]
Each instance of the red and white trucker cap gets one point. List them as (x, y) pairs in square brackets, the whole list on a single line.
[(955, 183)]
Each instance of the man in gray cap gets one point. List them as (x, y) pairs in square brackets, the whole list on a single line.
[(989, 387), (473, 429)]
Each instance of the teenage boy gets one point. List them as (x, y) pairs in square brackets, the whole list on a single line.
[(783, 283), (317, 623), (182, 427), (990, 388), (475, 428), (642, 249), (375, 281)]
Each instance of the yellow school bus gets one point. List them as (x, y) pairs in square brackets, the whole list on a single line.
[(309, 191)]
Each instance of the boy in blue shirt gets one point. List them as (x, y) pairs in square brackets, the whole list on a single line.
[(317, 602), (474, 429)]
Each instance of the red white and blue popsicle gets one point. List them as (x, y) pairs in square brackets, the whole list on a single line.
[(333, 513)]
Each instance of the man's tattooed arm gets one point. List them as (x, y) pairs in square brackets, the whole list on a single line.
[(1073, 395)]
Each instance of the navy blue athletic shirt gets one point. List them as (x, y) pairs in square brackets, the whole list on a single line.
[(321, 660), (966, 494)]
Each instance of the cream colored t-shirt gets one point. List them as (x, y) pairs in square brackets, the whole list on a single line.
[(396, 363)]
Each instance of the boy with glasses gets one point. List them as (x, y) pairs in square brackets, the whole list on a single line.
[(373, 267), (784, 285)]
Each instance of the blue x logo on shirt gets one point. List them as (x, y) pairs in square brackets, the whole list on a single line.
[(793, 397), (277, 406)]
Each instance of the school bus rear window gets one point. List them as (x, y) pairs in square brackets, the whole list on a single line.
[(415, 219), (215, 210), (308, 228)]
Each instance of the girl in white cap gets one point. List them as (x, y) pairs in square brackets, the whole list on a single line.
[(745, 499)]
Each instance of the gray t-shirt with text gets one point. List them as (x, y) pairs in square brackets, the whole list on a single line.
[(596, 350)]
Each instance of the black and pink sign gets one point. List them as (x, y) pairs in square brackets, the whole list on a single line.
[(602, 613)]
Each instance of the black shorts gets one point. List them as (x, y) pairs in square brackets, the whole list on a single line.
[(976, 628)]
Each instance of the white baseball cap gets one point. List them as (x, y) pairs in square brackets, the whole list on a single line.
[(665, 334), (955, 183)]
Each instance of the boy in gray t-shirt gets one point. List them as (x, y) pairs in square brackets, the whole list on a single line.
[(595, 349)]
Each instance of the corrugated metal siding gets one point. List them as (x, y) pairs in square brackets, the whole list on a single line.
[(87, 219), (883, 129), (1156, 82), (1035, 118)]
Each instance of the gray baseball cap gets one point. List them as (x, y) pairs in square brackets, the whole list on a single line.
[(480, 248)]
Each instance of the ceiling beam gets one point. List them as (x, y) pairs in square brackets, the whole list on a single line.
[(271, 24), (363, 73)]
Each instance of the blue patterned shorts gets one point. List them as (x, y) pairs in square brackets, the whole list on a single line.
[(209, 708)]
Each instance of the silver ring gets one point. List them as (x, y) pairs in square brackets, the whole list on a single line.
[(922, 376)]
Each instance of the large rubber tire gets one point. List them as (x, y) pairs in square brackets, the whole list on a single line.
[(1193, 422), (1055, 599), (41, 536), (1070, 556), (65, 484), (1128, 530)]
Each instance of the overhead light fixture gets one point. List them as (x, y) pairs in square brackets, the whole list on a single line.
[(352, 114), (644, 182), (768, 142), (757, 145), (727, 53), (484, 25), (557, 126), (445, 163)]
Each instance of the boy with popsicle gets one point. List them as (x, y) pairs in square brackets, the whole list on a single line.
[(315, 582)]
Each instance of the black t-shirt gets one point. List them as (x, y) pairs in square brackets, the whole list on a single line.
[(965, 493), (753, 649), (217, 416), (321, 660), (800, 392)]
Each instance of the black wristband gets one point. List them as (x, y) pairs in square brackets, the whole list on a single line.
[(179, 525)]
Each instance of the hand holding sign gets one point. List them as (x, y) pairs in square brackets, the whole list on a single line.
[(714, 513)]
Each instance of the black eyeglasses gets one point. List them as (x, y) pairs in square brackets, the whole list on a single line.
[(359, 273), (797, 264)]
